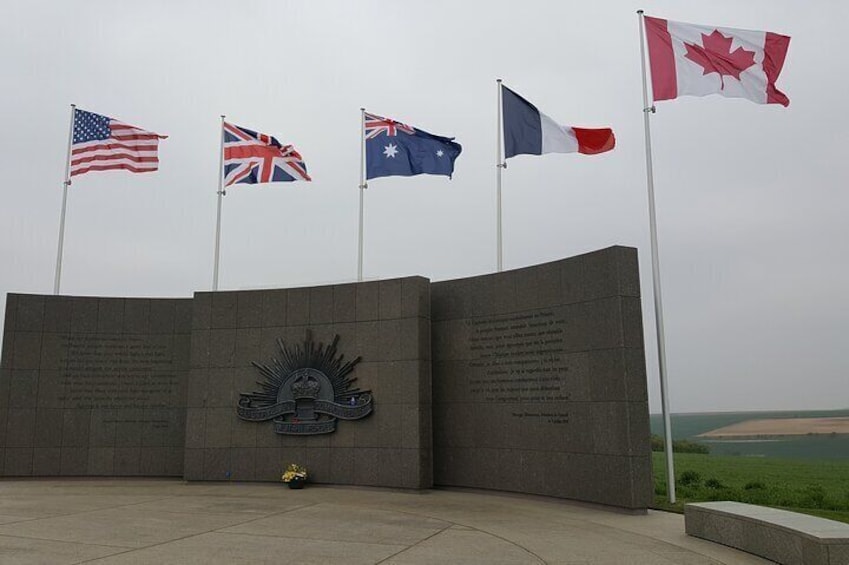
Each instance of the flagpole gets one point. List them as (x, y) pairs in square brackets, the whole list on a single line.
[(362, 187), (221, 193), (65, 184), (655, 267), (499, 165)]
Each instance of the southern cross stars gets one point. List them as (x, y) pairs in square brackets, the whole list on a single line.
[(440, 153), (390, 150)]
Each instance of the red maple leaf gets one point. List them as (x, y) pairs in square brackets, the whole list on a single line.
[(715, 56)]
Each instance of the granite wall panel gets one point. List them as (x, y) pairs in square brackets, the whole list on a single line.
[(539, 381), (88, 384), (386, 324)]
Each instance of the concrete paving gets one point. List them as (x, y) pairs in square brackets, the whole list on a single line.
[(123, 522)]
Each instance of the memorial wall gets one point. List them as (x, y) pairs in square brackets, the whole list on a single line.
[(530, 380), (539, 381), (385, 324), (94, 386)]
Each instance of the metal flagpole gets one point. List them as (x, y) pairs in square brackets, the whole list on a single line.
[(655, 269), (500, 164), (67, 182), (221, 194), (363, 186)]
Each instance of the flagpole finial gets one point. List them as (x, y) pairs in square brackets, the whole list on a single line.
[(640, 12), (362, 109), (498, 80)]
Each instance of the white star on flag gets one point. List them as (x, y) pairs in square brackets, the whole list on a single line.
[(390, 150), (440, 153)]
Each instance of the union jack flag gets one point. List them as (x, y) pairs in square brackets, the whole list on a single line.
[(376, 125), (253, 158)]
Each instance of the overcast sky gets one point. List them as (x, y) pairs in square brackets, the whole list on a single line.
[(751, 200)]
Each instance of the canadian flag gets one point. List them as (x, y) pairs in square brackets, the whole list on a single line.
[(698, 60)]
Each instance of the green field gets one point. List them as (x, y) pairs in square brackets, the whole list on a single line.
[(813, 487)]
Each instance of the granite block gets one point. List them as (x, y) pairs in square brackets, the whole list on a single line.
[(223, 313), (136, 316), (243, 464), (222, 347), (75, 427), (415, 297), (607, 376), (388, 346), (27, 350), (219, 425), (183, 317), (54, 351), (5, 385), (23, 388), (57, 314), (632, 322), (216, 464), (83, 315), (274, 306), (48, 428), (249, 309), (162, 318), (73, 461), (219, 389), (193, 464), (389, 299), (101, 461), (635, 374), (11, 315), (18, 462), (30, 313), (628, 271), (321, 305), (128, 427), (367, 301), (200, 349), (110, 315), (298, 307), (127, 461), (247, 346), (268, 465), (103, 428), (8, 350), (182, 352), (46, 461), (201, 311), (344, 303), (20, 427)]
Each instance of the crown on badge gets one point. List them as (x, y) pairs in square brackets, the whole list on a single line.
[(305, 386)]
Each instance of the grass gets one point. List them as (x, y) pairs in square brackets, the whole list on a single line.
[(820, 488)]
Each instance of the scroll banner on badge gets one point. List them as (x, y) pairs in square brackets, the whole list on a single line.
[(341, 411)]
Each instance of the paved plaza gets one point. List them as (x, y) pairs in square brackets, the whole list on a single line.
[(162, 521)]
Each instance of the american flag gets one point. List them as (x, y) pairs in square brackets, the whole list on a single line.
[(376, 125), (101, 143), (252, 158)]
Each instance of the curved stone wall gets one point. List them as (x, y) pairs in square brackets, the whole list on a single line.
[(530, 380), (539, 381)]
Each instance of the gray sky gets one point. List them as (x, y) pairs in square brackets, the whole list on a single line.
[(751, 200)]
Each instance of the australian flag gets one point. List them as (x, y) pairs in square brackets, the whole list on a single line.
[(394, 149)]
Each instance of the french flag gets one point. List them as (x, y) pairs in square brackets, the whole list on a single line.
[(527, 131)]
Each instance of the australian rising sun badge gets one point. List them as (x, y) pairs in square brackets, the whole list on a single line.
[(307, 388)]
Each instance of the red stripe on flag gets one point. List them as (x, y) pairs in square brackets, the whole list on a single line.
[(113, 167), (114, 146), (775, 50), (593, 141), (114, 157), (664, 80)]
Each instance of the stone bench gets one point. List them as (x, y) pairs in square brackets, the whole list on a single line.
[(785, 537)]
